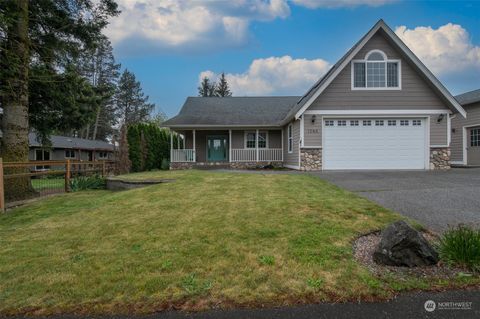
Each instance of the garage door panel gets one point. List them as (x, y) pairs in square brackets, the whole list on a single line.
[(374, 147)]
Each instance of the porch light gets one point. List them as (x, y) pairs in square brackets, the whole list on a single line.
[(314, 117), (440, 118)]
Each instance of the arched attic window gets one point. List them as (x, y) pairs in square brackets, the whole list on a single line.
[(376, 72)]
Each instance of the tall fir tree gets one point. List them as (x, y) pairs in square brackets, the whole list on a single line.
[(206, 88), (131, 103), (99, 66), (222, 89), (45, 36)]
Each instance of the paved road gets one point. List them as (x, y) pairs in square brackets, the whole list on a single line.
[(437, 199), (406, 306)]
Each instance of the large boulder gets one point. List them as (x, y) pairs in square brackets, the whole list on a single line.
[(401, 245)]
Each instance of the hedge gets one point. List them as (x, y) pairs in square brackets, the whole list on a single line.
[(148, 146)]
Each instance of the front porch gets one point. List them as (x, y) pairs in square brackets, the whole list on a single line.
[(235, 148)]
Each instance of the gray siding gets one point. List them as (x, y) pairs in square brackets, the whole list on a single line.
[(415, 92), (473, 118), (438, 131), (275, 139), (291, 158), (238, 140), (58, 154), (312, 131)]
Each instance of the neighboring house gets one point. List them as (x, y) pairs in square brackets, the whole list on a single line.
[(72, 148), (378, 107), (466, 131)]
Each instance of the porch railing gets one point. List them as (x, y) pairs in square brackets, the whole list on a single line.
[(182, 155), (250, 155)]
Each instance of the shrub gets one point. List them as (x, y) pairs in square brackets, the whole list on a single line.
[(461, 246), (149, 146), (87, 182), (165, 164)]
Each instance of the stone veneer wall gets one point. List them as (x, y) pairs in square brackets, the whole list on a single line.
[(439, 158), (233, 165), (311, 159)]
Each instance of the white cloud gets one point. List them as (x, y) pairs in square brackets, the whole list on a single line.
[(445, 50), (314, 4), (189, 24), (274, 75)]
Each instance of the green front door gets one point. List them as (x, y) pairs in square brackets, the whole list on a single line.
[(216, 148)]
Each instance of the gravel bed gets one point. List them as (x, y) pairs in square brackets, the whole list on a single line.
[(364, 247)]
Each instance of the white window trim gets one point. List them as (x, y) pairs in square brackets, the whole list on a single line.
[(256, 140), (386, 60), (69, 157), (290, 137)]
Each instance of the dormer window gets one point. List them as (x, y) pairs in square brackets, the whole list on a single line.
[(376, 72)]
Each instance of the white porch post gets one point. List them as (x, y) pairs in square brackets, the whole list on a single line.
[(194, 147), (171, 146), (282, 144), (256, 145), (230, 146)]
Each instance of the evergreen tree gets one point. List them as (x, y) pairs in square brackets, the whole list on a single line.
[(206, 88), (131, 103), (99, 66), (222, 89), (47, 35)]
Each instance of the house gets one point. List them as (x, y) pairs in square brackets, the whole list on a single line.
[(465, 146), (378, 107), (72, 148)]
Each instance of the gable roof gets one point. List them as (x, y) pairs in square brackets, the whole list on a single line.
[(312, 94), (71, 143), (233, 111), (469, 97)]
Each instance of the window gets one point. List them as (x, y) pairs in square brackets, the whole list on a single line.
[(290, 138), (416, 122), (379, 123), (342, 123), (102, 155), (404, 122), (262, 139), (42, 155), (250, 141), (367, 123), (69, 153), (392, 122), (475, 137), (354, 123), (375, 71), (329, 123)]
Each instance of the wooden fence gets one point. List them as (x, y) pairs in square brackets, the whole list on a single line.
[(24, 180)]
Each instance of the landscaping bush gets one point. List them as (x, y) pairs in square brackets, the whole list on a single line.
[(149, 147), (87, 182), (461, 246)]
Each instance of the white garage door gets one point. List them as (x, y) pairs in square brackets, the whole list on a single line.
[(390, 143)]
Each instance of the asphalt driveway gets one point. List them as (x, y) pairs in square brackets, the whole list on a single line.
[(437, 199)]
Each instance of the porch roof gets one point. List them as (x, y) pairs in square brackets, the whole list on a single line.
[(233, 111)]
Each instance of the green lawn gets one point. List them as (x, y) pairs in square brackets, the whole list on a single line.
[(42, 184), (206, 240)]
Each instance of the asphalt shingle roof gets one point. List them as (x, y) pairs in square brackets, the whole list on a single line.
[(230, 111), (71, 142), (468, 97)]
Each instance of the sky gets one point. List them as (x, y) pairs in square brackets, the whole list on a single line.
[(280, 47)]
